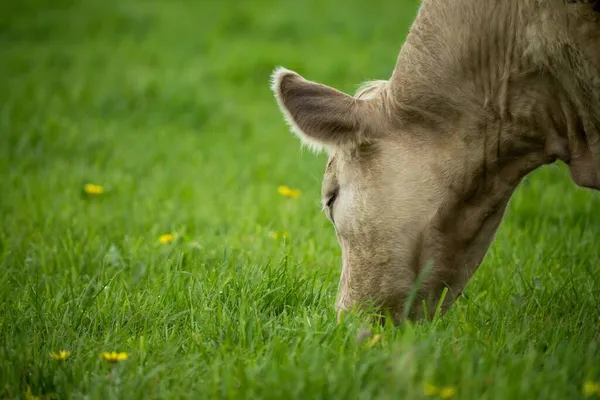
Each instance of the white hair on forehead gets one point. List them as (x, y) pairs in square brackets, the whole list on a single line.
[(369, 87)]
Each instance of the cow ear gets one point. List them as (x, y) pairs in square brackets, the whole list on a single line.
[(320, 115)]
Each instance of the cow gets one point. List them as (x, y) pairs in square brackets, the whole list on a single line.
[(421, 166)]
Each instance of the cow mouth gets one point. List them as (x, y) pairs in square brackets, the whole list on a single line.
[(584, 170), (584, 177)]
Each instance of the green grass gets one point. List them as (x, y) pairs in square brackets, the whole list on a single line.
[(167, 104)]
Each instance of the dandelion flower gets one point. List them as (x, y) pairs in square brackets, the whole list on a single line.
[(114, 357), (430, 390), (447, 392), (591, 387), (60, 355), (288, 192), (92, 189), (166, 238)]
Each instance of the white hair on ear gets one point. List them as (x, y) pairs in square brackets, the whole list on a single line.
[(306, 141)]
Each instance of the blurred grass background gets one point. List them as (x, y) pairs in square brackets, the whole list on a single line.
[(167, 105)]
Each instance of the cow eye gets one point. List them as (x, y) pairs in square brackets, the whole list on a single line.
[(332, 198)]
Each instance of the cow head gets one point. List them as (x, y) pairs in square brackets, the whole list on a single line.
[(393, 194)]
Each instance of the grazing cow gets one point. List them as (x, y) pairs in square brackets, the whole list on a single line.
[(421, 166)]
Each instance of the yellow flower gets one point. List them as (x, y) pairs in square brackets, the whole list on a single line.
[(166, 238), (447, 392), (90, 188), (277, 235), (60, 355), (444, 393), (374, 340), (430, 390), (591, 387), (288, 192), (114, 357), (29, 395)]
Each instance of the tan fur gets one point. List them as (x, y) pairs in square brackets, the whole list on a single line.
[(422, 166)]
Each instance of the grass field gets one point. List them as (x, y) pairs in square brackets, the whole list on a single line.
[(166, 104)]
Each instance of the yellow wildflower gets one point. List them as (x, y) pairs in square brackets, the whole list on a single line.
[(277, 235), (90, 188), (166, 238), (447, 392), (430, 390), (591, 387), (288, 192), (29, 395), (60, 355), (114, 357), (374, 340)]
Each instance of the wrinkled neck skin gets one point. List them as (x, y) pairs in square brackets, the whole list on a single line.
[(494, 112)]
